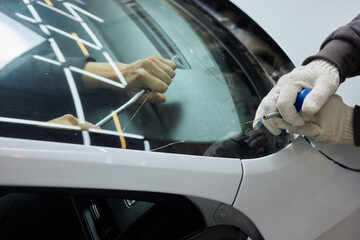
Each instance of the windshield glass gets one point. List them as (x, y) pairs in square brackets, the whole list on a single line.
[(76, 62)]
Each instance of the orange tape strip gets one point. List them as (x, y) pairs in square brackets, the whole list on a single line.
[(81, 45), (118, 129), (48, 2)]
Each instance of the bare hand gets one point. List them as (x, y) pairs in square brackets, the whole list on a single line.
[(153, 73), (69, 119)]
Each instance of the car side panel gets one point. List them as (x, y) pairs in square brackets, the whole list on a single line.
[(297, 193), (44, 164)]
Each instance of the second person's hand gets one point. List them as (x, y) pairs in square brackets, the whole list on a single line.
[(333, 123), (319, 76), (153, 73)]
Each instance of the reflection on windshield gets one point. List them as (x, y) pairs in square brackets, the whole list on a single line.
[(16, 39), (114, 67)]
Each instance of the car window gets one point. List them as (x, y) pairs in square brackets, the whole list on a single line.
[(209, 104), (94, 214)]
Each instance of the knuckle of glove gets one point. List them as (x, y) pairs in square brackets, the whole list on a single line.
[(280, 123), (285, 79), (332, 83), (310, 129), (272, 129)]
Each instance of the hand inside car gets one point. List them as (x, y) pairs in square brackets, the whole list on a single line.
[(69, 119), (249, 144), (153, 73)]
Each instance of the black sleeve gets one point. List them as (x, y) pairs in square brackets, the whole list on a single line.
[(342, 48), (31, 74), (356, 125), (38, 90)]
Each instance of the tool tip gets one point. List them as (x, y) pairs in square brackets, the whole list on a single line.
[(257, 125)]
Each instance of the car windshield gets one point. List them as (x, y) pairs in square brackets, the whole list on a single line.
[(46, 45)]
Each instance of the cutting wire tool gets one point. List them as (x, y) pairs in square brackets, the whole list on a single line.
[(121, 108), (298, 105), (130, 102)]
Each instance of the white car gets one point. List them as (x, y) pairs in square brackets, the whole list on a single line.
[(189, 168)]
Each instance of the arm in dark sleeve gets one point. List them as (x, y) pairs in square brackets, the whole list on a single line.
[(342, 49), (34, 75), (78, 62), (32, 89), (356, 125)]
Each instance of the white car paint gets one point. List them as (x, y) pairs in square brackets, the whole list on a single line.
[(46, 164), (297, 193), (299, 28), (297, 186), (345, 154)]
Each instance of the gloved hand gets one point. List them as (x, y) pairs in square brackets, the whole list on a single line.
[(333, 123), (321, 77), (250, 144)]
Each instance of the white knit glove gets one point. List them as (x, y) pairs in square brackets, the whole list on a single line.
[(321, 77), (333, 123)]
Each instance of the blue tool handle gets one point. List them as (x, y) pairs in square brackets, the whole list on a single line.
[(300, 99), (298, 105)]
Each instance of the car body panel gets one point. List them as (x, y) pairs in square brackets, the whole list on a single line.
[(297, 193), (345, 154), (28, 163), (292, 194)]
